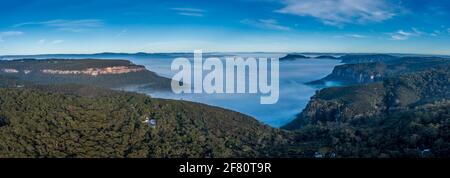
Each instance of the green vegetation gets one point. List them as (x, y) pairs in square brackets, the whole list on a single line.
[(45, 115), (37, 123), (368, 72), (417, 133), (404, 116)]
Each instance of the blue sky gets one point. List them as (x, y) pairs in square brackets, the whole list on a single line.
[(90, 26)]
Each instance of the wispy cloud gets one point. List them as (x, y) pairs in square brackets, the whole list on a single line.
[(42, 41), (186, 11), (6, 34), (356, 36), (66, 25), (340, 12), (405, 35), (436, 33), (266, 24), (54, 42), (190, 14), (351, 36), (121, 33)]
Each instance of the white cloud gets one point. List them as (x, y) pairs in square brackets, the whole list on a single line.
[(339, 12), (9, 34), (417, 32), (356, 36), (351, 36), (51, 42), (405, 35), (67, 25), (190, 14), (266, 24), (436, 33), (185, 11)]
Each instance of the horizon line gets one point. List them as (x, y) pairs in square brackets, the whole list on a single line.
[(182, 52)]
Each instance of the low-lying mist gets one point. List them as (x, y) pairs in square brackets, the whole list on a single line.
[(294, 94)]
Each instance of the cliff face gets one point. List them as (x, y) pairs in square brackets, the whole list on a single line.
[(10, 71), (341, 105), (97, 71), (87, 71), (405, 116), (361, 73), (356, 73), (402, 113)]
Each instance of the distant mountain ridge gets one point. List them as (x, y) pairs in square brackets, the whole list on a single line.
[(357, 58), (291, 57)]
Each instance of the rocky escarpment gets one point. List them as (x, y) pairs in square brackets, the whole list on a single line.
[(404, 113), (355, 73), (87, 71), (361, 73), (95, 72), (342, 104), (376, 100), (405, 116)]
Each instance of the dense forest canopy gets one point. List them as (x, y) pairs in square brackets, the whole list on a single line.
[(36, 123)]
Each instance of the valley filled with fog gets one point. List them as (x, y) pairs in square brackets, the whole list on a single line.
[(294, 94)]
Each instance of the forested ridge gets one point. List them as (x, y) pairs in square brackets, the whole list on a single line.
[(36, 123), (402, 116), (33, 70)]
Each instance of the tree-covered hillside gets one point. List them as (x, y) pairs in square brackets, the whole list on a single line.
[(33, 70), (404, 116), (37, 123)]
